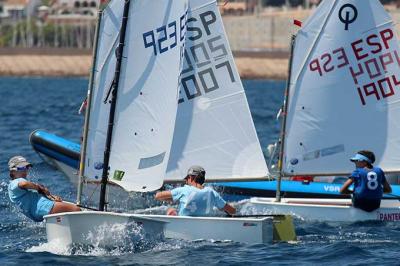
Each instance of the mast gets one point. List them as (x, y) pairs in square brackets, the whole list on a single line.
[(286, 101), (283, 127), (106, 162), (87, 113)]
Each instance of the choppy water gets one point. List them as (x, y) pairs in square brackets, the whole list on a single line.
[(27, 104)]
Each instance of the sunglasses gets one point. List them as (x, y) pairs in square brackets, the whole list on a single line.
[(22, 168)]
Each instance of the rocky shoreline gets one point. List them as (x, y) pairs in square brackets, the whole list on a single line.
[(79, 64)]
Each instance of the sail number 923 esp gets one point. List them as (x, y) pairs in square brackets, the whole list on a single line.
[(166, 37)]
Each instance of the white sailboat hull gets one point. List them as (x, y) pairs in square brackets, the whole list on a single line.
[(111, 229), (245, 230), (335, 210), (102, 229)]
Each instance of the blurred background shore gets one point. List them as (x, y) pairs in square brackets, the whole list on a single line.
[(75, 62), (55, 37)]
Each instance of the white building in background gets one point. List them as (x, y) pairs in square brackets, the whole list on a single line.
[(13, 10), (74, 21), (75, 7), (2, 11), (72, 12)]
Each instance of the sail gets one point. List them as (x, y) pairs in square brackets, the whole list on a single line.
[(214, 127), (104, 74), (344, 93), (147, 98)]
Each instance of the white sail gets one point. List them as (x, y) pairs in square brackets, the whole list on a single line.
[(344, 94), (147, 96), (214, 127), (104, 75), (148, 93)]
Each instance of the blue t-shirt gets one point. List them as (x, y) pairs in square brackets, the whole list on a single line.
[(32, 204), (197, 202), (368, 184)]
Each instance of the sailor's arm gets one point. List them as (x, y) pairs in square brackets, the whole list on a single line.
[(223, 205), (229, 209), (164, 196), (345, 188), (31, 185), (39, 188), (386, 187)]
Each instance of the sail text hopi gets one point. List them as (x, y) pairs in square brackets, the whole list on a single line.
[(368, 61)]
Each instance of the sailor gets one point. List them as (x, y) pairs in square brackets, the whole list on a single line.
[(194, 199), (369, 182), (34, 200)]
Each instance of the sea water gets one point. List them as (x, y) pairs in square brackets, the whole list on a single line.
[(27, 104)]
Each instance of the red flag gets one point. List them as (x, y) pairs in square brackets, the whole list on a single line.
[(297, 23)]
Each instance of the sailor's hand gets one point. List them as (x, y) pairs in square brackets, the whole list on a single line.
[(56, 198), (43, 190)]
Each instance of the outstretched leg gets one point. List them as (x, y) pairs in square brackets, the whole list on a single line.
[(64, 207)]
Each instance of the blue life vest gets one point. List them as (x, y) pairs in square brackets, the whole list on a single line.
[(368, 183)]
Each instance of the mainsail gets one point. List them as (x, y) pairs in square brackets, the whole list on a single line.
[(344, 95), (103, 80), (214, 127), (147, 96)]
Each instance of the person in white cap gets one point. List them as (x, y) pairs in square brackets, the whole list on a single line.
[(34, 200), (369, 182), (194, 199)]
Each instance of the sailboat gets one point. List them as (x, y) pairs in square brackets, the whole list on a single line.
[(64, 155), (145, 118), (201, 88), (342, 98)]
